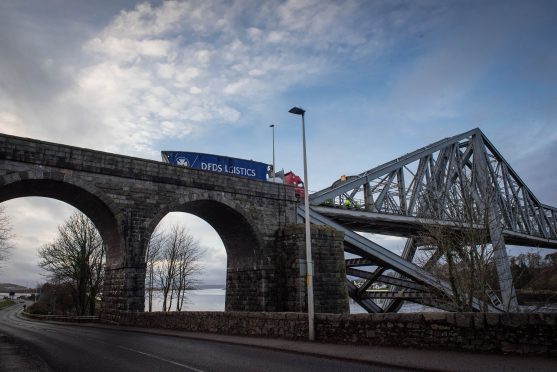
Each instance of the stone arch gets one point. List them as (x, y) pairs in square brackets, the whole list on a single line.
[(239, 235), (243, 244), (85, 198)]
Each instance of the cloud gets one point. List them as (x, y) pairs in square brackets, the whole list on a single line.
[(388, 77), (184, 68), (34, 221)]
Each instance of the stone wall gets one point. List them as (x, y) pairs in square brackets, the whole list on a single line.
[(509, 333), (279, 325)]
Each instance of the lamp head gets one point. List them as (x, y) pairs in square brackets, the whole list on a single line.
[(297, 111)]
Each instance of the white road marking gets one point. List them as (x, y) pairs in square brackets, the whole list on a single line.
[(159, 358)]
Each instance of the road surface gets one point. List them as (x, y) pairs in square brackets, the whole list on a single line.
[(78, 348)]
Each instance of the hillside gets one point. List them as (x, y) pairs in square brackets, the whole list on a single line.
[(546, 279)]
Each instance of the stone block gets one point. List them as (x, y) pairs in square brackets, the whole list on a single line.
[(492, 319), (514, 320)]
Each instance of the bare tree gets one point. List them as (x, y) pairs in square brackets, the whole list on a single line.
[(188, 269), (178, 266), (152, 258), (166, 268), (76, 257), (5, 235), (460, 247)]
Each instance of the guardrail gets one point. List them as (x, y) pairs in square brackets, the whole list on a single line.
[(64, 318)]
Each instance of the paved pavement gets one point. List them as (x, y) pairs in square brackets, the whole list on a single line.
[(374, 357)]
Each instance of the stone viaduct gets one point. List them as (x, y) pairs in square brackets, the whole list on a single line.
[(126, 198)]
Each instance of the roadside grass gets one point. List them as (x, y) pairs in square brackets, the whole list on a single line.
[(6, 303)]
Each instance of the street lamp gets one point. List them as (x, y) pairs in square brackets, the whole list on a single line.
[(273, 172), (309, 262)]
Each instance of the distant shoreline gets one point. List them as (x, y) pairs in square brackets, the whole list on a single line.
[(202, 286)]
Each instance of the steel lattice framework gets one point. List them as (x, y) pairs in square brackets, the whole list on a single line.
[(422, 189)]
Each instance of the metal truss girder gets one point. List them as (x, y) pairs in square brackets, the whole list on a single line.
[(518, 207), (397, 225), (409, 249), (401, 283), (509, 197), (399, 298), (502, 263), (518, 238), (359, 245), (332, 192), (435, 257), (355, 262), (417, 183), (401, 190), (522, 186), (385, 258), (381, 198), (462, 169), (370, 279), (408, 254), (366, 303), (400, 295)]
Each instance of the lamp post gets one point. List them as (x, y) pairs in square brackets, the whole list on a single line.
[(273, 172), (309, 262)]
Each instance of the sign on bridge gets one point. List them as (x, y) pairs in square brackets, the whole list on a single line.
[(216, 163)]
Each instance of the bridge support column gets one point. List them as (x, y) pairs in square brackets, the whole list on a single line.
[(502, 264), (251, 285), (329, 281), (489, 201), (124, 291)]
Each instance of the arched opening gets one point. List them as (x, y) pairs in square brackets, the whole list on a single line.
[(206, 286), (83, 197), (33, 222), (238, 238), (88, 203), (45, 268)]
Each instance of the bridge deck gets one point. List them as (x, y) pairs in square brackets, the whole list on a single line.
[(404, 226)]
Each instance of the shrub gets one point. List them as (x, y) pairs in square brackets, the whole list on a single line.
[(39, 308)]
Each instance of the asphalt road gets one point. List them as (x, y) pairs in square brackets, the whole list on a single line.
[(78, 348)]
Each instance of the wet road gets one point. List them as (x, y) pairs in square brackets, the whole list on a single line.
[(78, 348)]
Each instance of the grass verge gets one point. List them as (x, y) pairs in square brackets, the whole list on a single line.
[(6, 303)]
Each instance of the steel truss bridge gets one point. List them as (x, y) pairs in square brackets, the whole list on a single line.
[(411, 196)]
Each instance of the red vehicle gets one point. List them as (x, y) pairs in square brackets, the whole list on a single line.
[(291, 178)]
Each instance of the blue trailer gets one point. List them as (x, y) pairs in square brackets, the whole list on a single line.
[(216, 163)]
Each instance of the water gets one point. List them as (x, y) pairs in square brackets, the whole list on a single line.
[(196, 300), (407, 307), (213, 300)]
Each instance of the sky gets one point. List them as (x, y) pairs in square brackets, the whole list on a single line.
[(378, 79)]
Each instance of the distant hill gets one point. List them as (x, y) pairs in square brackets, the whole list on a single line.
[(9, 287)]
